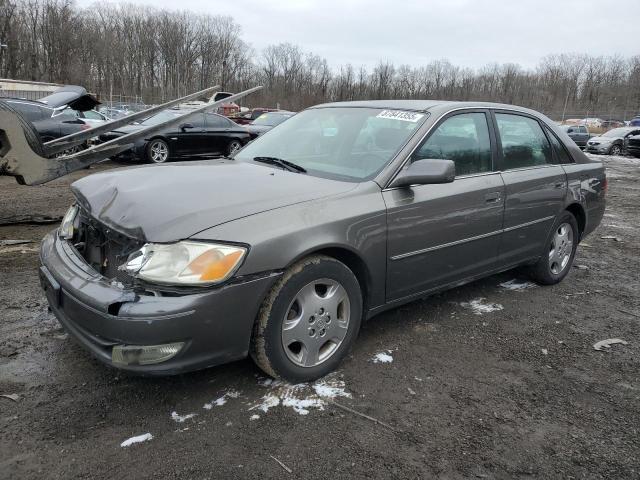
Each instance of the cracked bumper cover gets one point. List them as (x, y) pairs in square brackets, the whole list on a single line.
[(215, 324)]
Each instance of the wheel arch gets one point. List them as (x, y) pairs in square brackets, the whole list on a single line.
[(353, 261), (578, 212)]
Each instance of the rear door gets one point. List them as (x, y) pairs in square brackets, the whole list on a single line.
[(441, 234), (536, 186), (218, 130)]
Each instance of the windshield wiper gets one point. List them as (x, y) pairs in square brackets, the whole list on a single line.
[(286, 164)]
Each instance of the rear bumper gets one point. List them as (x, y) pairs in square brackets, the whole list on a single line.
[(214, 325)]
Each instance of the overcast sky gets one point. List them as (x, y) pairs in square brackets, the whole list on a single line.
[(467, 32)]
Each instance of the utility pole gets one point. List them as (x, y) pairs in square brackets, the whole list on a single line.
[(3, 48)]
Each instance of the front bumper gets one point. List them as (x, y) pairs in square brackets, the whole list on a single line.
[(601, 149), (215, 325)]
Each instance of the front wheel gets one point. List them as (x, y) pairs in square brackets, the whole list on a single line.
[(559, 252), (157, 151), (615, 150), (308, 321)]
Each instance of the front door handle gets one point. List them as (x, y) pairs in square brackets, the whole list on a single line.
[(493, 197)]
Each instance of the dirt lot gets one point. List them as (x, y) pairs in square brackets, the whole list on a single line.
[(511, 390)]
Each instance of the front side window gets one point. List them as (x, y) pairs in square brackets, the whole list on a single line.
[(216, 121), (524, 144), (343, 143), (463, 138)]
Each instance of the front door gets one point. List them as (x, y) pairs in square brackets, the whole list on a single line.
[(443, 234), (191, 140), (536, 186)]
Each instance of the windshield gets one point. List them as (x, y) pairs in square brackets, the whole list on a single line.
[(161, 117), (352, 144), (617, 132), (270, 119)]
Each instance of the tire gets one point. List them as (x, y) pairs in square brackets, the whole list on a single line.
[(294, 309), (233, 147), (557, 258), (30, 133), (157, 151), (615, 150)]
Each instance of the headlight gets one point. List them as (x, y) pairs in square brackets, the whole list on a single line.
[(185, 263), (66, 227)]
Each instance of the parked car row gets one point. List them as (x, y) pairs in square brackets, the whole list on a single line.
[(613, 142)]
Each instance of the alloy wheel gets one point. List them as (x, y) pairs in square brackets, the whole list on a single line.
[(234, 147), (616, 150), (316, 322), (561, 248), (159, 152)]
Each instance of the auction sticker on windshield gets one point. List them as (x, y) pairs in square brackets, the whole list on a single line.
[(400, 115)]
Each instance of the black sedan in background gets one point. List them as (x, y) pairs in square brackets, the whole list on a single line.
[(198, 136), (267, 121), (50, 123)]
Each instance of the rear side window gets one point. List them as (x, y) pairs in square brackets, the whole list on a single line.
[(560, 151), (463, 138), (524, 144)]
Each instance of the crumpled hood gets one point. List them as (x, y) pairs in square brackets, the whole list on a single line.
[(170, 202)]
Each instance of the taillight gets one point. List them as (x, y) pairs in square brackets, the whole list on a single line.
[(605, 185)]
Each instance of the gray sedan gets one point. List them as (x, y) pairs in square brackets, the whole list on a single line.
[(341, 212)]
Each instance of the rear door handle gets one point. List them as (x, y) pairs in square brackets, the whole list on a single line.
[(492, 197)]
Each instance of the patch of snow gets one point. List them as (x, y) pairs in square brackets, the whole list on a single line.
[(301, 398), (140, 438), (383, 357), (515, 284), (218, 402), (478, 306), (330, 389), (545, 351), (254, 417), (181, 418)]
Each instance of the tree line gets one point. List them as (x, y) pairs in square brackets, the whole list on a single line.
[(155, 54)]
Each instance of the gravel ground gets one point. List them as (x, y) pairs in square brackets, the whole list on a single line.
[(479, 382)]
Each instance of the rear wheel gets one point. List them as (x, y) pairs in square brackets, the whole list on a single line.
[(309, 320), (157, 151), (233, 147), (560, 250)]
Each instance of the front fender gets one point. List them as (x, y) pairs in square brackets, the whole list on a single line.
[(354, 221)]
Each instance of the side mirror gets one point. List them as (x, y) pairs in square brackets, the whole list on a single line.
[(570, 130), (424, 172), (185, 126)]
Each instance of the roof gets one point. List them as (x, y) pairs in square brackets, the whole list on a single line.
[(422, 105)]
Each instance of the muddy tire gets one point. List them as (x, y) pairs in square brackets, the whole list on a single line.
[(559, 252), (308, 321), (30, 133)]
